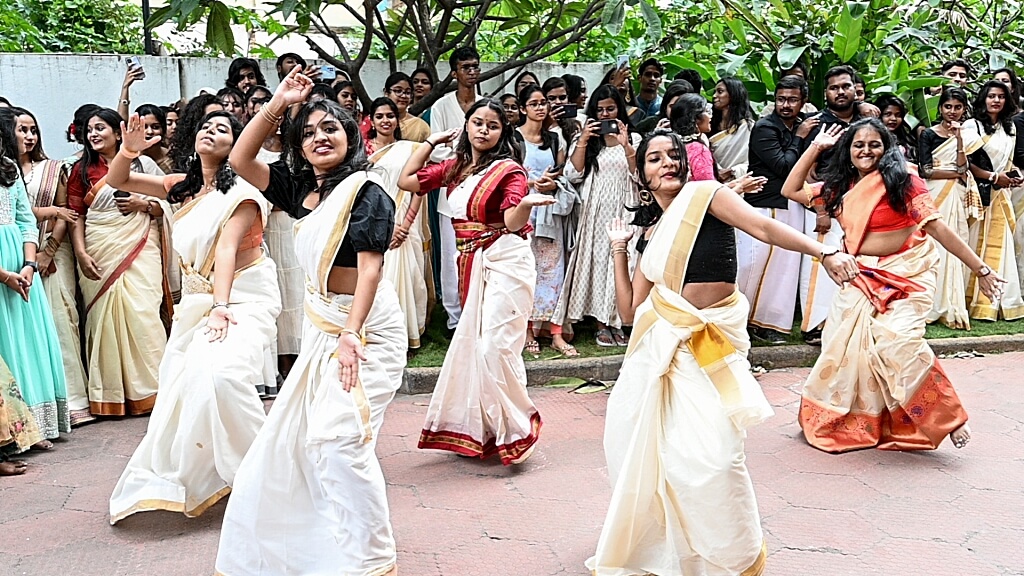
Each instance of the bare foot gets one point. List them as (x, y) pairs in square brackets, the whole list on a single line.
[(43, 445), (961, 436), (13, 468)]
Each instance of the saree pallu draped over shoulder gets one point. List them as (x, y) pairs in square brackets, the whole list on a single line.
[(404, 266), (209, 411), (310, 498), (992, 236), (480, 406), (877, 383), (124, 335), (682, 500)]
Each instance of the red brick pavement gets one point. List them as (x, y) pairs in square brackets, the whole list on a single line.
[(948, 512)]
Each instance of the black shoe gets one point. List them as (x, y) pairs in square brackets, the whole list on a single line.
[(813, 337), (767, 336)]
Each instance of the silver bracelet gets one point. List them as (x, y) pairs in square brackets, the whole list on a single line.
[(219, 305)]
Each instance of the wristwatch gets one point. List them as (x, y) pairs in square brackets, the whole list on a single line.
[(31, 264), (828, 251), (983, 271)]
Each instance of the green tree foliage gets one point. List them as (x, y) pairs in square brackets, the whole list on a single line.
[(107, 26)]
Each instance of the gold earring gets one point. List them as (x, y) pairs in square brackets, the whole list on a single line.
[(646, 198)]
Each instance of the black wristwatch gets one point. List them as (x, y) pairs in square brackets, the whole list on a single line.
[(828, 251), (33, 265)]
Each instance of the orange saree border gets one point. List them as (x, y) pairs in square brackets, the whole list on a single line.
[(469, 446), (128, 407), (922, 423)]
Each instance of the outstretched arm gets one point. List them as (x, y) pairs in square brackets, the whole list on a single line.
[(991, 284), (120, 175)]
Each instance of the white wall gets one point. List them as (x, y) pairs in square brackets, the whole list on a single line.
[(52, 86)]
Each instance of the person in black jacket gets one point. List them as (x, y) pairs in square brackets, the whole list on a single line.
[(768, 275)]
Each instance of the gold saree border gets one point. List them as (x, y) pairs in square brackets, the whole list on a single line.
[(126, 408), (152, 504)]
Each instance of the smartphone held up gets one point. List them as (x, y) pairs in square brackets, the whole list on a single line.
[(134, 63)]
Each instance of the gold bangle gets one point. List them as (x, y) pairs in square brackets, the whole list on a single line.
[(362, 339), (132, 154), (270, 116)]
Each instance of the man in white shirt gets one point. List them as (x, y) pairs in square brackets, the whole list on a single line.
[(447, 113)]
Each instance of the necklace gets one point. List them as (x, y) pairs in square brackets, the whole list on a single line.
[(31, 174)]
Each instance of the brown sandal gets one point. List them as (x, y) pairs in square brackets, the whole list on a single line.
[(567, 351)]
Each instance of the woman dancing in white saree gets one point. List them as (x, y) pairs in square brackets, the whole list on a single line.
[(682, 501), (208, 411), (480, 406), (309, 498)]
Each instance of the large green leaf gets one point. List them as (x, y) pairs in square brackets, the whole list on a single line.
[(218, 29), (788, 55), (614, 16), (847, 40), (653, 21)]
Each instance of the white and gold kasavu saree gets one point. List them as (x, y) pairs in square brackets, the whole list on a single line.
[(959, 203), (993, 236), (730, 148), (310, 496), (404, 266), (124, 336), (208, 411), (682, 500)]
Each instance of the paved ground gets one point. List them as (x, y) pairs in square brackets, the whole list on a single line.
[(949, 512)]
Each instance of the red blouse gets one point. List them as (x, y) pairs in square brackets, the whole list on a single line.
[(921, 208), (77, 190), (507, 193)]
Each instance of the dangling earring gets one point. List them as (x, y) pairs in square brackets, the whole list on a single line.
[(646, 198)]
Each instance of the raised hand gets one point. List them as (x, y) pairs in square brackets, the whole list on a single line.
[(828, 137), (445, 137), (133, 136), (748, 184), (295, 87)]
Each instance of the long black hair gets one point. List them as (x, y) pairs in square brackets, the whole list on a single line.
[(546, 139), (355, 153), (840, 175), (645, 215), (505, 148), (235, 72), (595, 145), (183, 144), (676, 89), (10, 170), (37, 154), (629, 97), (1014, 86), (76, 130), (380, 103), (91, 157), (193, 181), (684, 115), (904, 135), (739, 104), (573, 86), (1005, 117)]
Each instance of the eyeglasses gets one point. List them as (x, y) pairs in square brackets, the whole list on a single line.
[(793, 101), (397, 92), (470, 67), (536, 104)]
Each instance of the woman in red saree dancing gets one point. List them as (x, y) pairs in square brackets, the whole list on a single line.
[(122, 246), (480, 406), (877, 383)]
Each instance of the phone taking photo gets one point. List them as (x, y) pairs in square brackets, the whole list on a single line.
[(622, 63), (569, 110), (609, 127), (328, 72), (133, 62)]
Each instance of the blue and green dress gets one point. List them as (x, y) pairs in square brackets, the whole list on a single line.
[(28, 340)]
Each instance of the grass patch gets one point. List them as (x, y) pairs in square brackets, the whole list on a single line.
[(978, 328), (434, 343)]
